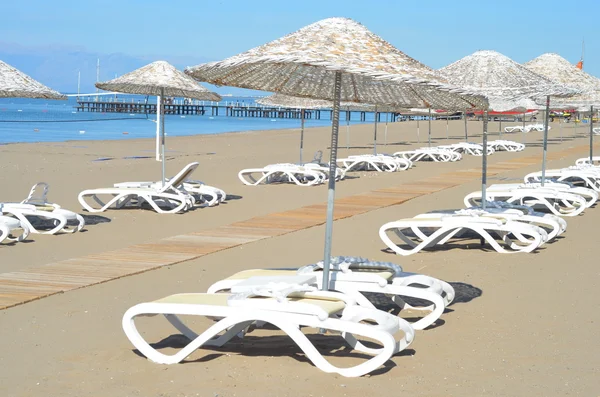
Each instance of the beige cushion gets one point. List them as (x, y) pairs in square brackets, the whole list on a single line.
[(329, 305)]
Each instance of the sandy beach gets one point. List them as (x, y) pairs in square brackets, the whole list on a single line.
[(522, 324)]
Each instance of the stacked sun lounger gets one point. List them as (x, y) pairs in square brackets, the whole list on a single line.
[(517, 218), (295, 298), (35, 214)]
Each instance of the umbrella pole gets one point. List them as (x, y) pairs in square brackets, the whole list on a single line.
[(591, 134), (484, 160), (523, 132), (546, 117), (385, 130), (162, 134), (466, 134), (500, 134), (301, 134), (418, 132), (375, 134), (560, 128), (429, 129), (337, 93), (158, 156), (348, 128), (447, 117)]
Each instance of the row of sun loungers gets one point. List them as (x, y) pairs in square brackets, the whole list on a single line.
[(517, 218), (312, 174), (291, 299), (527, 128)]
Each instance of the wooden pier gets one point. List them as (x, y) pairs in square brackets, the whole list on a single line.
[(221, 109)]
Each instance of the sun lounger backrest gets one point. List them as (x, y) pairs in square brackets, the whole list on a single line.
[(37, 194), (181, 177)]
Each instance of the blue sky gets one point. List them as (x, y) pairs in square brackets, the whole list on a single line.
[(434, 32)]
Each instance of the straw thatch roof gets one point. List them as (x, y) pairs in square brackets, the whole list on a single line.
[(557, 68), (294, 102), (16, 84), (304, 64), (159, 78), (497, 76)]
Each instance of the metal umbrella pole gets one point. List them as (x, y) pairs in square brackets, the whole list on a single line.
[(418, 132), (348, 116), (466, 134), (375, 134), (385, 130), (500, 118), (484, 161), (591, 134), (523, 132), (447, 117), (429, 129), (337, 93), (301, 134), (560, 128), (161, 109), (158, 117), (546, 118)]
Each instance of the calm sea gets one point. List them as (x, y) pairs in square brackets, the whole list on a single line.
[(31, 120)]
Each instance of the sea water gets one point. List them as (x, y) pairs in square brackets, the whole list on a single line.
[(36, 120)]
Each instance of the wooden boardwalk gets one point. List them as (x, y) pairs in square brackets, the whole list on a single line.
[(41, 281)]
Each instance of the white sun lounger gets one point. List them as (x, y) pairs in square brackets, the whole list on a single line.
[(583, 176), (37, 206), (288, 307), (371, 162), (169, 196), (553, 225), (282, 173), (585, 161), (596, 131), (354, 276), (507, 146), (429, 230), (429, 154), (557, 202), (12, 229), (513, 128), (474, 149)]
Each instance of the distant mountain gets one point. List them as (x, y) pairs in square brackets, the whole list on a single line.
[(58, 66)]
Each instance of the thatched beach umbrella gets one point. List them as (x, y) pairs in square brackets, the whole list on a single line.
[(159, 78), (336, 59), (499, 78), (16, 84), (557, 68)]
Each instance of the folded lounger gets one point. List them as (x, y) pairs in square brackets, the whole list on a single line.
[(282, 173), (286, 306), (429, 231), (429, 154), (169, 196), (37, 206), (553, 225), (507, 146), (354, 276), (374, 162), (582, 175), (557, 202), (585, 161), (474, 149), (513, 128), (12, 229)]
